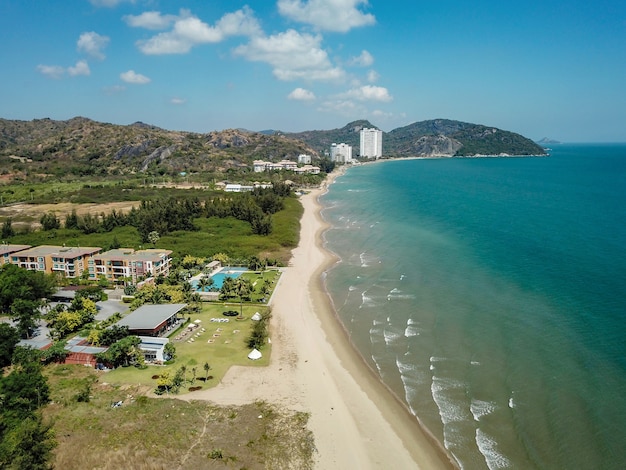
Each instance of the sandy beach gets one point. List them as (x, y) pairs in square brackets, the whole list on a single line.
[(356, 421)]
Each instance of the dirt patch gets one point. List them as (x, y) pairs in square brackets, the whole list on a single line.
[(22, 214)]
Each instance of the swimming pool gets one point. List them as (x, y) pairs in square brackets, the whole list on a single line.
[(218, 277)]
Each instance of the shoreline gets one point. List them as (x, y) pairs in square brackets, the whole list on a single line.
[(356, 420), (396, 412)]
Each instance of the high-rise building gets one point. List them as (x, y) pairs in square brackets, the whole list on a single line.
[(371, 143), (341, 153)]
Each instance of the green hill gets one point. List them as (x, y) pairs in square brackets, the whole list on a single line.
[(438, 137)]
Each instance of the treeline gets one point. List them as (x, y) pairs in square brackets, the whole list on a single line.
[(164, 216)]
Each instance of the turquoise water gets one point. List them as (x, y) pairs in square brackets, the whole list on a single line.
[(218, 277), (489, 294)]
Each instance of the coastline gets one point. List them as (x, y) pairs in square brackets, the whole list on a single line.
[(356, 420)]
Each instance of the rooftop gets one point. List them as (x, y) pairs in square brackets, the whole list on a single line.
[(150, 316)]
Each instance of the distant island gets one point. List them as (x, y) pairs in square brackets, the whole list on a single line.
[(547, 141), (84, 147)]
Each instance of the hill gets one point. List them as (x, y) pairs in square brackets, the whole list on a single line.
[(438, 137), (322, 140), (84, 147)]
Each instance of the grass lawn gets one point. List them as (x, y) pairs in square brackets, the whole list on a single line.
[(221, 345)]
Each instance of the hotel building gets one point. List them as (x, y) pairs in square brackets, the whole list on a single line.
[(371, 143)]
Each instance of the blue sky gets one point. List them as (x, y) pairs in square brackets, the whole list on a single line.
[(540, 68)]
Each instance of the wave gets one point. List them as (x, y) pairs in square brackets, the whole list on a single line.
[(489, 448), (368, 260), (391, 336), (451, 410), (480, 408)]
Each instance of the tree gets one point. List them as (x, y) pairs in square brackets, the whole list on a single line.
[(21, 294), (258, 335), (25, 313), (169, 351), (71, 220), (9, 337), (7, 228), (206, 368), (229, 288), (112, 334), (205, 283), (50, 221), (153, 237), (28, 445), (55, 353), (23, 391), (124, 352)]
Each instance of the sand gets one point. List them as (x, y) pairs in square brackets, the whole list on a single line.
[(356, 421)]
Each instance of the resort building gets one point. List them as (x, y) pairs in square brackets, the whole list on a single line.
[(127, 264), (152, 319), (7, 250), (238, 188), (70, 262), (261, 166), (313, 170), (341, 153), (371, 143), (304, 159)]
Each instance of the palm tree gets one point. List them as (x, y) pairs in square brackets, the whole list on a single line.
[(183, 370), (207, 367), (205, 282), (243, 290)]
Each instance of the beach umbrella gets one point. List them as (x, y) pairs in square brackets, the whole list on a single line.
[(255, 354)]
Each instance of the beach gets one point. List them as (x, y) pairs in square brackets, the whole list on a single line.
[(357, 422)]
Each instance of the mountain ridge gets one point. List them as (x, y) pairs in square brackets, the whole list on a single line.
[(83, 146), (430, 138)]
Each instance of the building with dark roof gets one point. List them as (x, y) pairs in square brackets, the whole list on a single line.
[(152, 319)]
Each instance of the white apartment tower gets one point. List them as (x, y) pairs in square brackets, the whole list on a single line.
[(371, 143), (341, 153)]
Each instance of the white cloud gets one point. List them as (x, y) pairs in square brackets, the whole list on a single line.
[(189, 31), (81, 68), (150, 20), (51, 71), (92, 43), (368, 93), (344, 108), (372, 76), (300, 94), (365, 59), (135, 78), (292, 55), (108, 3), (330, 15), (178, 101)]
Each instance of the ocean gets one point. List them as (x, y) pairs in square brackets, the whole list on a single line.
[(490, 296)]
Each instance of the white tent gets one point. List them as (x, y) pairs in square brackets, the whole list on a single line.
[(256, 317), (255, 354)]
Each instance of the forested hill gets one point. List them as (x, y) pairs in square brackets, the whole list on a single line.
[(438, 137)]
